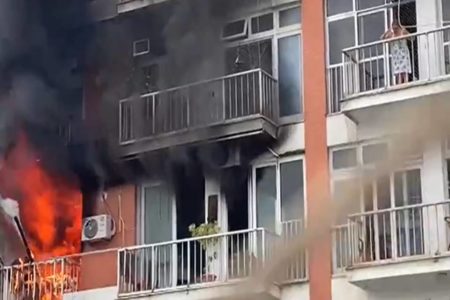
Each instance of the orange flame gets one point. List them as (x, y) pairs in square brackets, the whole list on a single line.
[(50, 206)]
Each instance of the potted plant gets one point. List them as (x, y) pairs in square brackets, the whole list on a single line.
[(210, 245)]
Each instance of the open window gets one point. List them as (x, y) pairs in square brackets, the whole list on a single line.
[(235, 30)]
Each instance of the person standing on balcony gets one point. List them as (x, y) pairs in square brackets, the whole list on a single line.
[(401, 58)]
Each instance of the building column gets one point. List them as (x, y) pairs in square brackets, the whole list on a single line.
[(434, 190), (316, 157)]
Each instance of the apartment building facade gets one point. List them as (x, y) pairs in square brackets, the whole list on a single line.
[(254, 116)]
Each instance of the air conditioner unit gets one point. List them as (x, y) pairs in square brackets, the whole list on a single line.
[(98, 228)]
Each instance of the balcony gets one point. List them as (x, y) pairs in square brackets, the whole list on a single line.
[(238, 105), (194, 263), (396, 243), (367, 77)]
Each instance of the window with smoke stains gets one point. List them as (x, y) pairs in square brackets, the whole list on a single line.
[(273, 44), (279, 194)]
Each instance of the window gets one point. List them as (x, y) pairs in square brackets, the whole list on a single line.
[(290, 75), (343, 189), (279, 194), (341, 35), (345, 158), (292, 194), (371, 27), (237, 29), (374, 153), (262, 23), (249, 56), (290, 17), (446, 12), (339, 6), (363, 4), (266, 196), (141, 47)]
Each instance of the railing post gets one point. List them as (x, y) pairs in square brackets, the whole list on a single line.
[(224, 106), (188, 264), (387, 69), (344, 81), (153, 269), (260, 92), (263, 243)]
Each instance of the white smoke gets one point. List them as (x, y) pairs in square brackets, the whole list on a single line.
[(9, 207)]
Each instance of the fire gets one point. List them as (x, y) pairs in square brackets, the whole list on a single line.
[(50, 206)]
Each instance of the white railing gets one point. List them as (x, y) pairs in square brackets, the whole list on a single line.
[(193, 262), (421, 230), (296, 269), (370, 67), (334, 94), (40, 280), (197, 105), (341, 249)]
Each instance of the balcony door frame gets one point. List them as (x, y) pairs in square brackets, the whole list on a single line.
[(141, 220), (276, 163)]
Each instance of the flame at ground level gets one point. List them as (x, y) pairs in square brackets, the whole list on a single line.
[(50, 206)]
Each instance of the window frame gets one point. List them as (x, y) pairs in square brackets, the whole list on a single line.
[(356, 172), (274, 35), (252, 185)]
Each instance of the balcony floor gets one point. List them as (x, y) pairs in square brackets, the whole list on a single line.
[(233, 129), (401, 100), (387, 275)]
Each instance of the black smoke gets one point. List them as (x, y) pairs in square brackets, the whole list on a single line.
[(42, 50)]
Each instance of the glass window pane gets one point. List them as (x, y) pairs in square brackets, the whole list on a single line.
[(234, 28), (262, 23), (290, 77), (345, 158), (249, 56), (446, 11), (292, 197), (342, 191), (375, 153), (383, 193), (157, 215), (363, 4), (371, 28), (341, 35), (339, 6), (266, 195), (290, 16), (414, 187)]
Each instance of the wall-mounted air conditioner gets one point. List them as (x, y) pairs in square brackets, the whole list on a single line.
[(98, 228)]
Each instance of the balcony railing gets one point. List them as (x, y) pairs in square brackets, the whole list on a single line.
[(370, 67), (341, 248), (415, 231), (193, 262), (40, 280), (213, 102), (296, 269)]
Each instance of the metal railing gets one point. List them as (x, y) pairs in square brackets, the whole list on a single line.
[(296, 270), (341, 249), (193, 262), (386, 64), (334, 94), (197, 105), (421, 230), (40, 280)]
